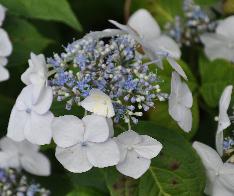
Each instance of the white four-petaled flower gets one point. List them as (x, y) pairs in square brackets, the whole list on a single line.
[(136, 152), (223, 119), (31, 119), (83, 144), (220, 176), (23, 155), (221, 43), (36, 75), (98, 103), (145, 30), (180, 103), (148, 29)]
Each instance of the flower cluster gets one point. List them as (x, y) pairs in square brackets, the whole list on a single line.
[(113, 66), (5, 47), (187, 31), (14, 183), (109, 77)]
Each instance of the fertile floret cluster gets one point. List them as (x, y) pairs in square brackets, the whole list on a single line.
[(111, 65), (12, 183), (187, 30)]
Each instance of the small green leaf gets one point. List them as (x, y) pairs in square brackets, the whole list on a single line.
[(215, 76), (56, 10), (25, 39)]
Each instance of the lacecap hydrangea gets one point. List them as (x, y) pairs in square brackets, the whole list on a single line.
[(112, 65), (107, 74)]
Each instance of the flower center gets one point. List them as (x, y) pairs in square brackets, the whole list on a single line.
[(84, 144), (130, 148), (28, 110)]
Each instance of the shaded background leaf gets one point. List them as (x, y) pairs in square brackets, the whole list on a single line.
[(58, 10)]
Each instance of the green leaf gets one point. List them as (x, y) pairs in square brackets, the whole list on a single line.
[(160, 113), (215, 76), (119, 185), (58, 10), (25, 39), (85, 191), (92, 178), (177, 171)]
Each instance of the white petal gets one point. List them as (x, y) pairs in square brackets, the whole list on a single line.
[(36, 163), (224, 120), (17, 123), (73, 159), (175, 83), (39, 129), (175, 109), (37, 71), (8, 145), (217, 46), (44, 101), (4, 74), (186, 95), (123, 149), (96, 128), (39, 91), (103, 154), (133, 166), (128, 30), (105, 33), (111, 127), (3, 61), (9, 160), (5, 44), (224, 103), (24, 100), (166, 44), (219, 189), (225, 27), (177, 67), (129, 138), (2, 14), (148, 148), (219, 142), (25, 147), (67, 130), (98, 103), (226, 177), (212, 162), (187, 120), (144, 24)]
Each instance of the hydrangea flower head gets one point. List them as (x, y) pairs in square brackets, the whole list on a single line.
[(113, 66)]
